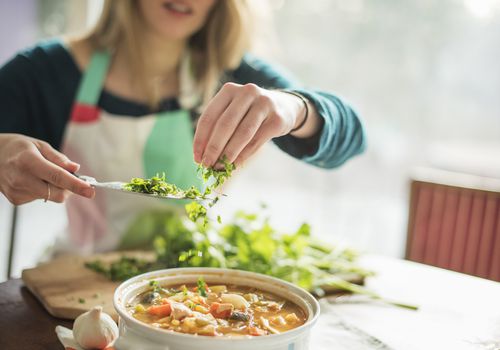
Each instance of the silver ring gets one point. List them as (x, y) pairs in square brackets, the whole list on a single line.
[(48, 193)]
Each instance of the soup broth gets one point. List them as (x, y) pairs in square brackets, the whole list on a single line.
[(218, 310)]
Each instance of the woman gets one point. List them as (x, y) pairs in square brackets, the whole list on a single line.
[(123, 102)]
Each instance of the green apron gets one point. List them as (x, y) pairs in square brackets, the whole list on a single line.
[(116, 148)]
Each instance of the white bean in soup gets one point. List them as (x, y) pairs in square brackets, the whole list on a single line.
[(221, 310)]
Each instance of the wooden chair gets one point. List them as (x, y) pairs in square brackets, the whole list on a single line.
[(454, 222)]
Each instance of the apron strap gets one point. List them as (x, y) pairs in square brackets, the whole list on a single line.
[(90, 87)]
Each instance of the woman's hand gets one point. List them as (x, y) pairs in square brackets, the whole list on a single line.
[(241, 118), (28, 166)]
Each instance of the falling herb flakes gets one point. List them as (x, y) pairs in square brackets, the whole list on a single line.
[(196, 211)]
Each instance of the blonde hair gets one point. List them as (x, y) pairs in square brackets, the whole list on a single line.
[(218, 46)]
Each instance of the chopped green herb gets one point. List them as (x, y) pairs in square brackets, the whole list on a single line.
[(202, 287), (155, 185), (156, 286), (196, 211), (158, 185), (219, 175), (219, 220), (193, 193), (128, 267), (81, 300)]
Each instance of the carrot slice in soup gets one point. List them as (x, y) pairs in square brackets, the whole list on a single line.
[(219, 310), (163, 310)]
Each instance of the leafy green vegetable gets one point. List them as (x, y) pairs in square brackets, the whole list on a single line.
[(248, 243)]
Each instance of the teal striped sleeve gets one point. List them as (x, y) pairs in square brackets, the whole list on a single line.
[(342, 135)]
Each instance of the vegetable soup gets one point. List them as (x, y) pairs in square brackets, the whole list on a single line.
[(218, 310)]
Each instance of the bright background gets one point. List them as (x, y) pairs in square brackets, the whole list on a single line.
[(423, 74)]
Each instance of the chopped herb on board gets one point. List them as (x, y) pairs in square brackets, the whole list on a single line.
[(81, 300)]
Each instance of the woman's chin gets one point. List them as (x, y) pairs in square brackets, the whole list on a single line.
[(175, 33)]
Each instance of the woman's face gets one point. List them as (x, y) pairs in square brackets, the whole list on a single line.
[(175, 19)]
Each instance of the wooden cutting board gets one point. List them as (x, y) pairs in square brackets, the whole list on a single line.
[(66, 288)]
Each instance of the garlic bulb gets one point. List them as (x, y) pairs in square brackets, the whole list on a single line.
[(95, 329)]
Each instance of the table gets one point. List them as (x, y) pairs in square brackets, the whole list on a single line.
[(24, 323), (457, 312)]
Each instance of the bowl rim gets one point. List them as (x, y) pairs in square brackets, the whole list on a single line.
[(294, 289)]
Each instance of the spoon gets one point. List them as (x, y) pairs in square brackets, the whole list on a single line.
[(120, 186)]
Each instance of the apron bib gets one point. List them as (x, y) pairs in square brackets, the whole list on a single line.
[(117, 148)]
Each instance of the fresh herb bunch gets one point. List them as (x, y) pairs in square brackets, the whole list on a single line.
[(248, 243)]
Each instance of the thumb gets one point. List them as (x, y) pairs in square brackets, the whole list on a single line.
[(57, 157)]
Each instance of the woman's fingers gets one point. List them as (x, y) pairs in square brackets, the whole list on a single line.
[(41, 190), (245, 132), (56, 157), (264, 134), (239, 120), (61, 178), (28, 165), (224, 128), (208, 119), (26, 188)]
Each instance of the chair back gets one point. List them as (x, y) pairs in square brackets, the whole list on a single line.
[(454, 222)]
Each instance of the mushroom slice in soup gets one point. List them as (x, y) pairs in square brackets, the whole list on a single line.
[(239, 316)]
